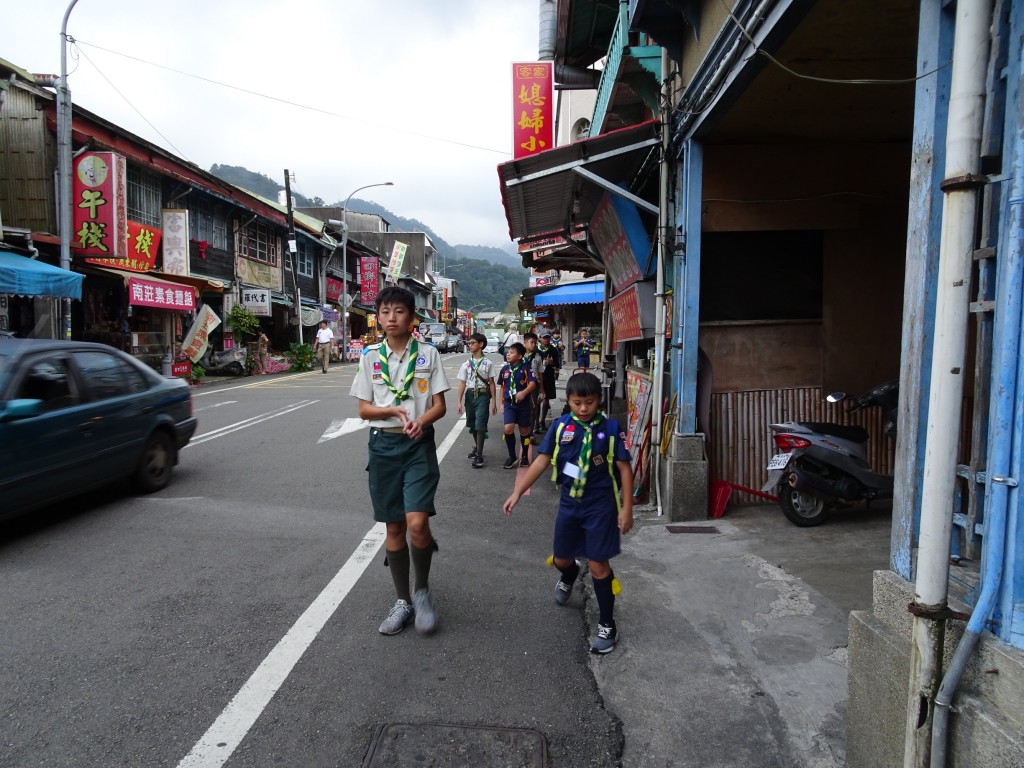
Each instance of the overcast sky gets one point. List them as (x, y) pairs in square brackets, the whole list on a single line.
[(416, 92)]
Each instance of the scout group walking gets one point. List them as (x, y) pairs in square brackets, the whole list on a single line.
[(400, 387)]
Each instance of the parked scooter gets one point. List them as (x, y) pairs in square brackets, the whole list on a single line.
[(824, 465), (230, 361)]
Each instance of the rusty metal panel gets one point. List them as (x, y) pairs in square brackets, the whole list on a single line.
[(27, 163), (740, 441)]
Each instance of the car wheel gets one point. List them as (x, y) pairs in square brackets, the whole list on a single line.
[(156, 463)]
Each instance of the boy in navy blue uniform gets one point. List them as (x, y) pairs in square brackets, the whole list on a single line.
[(517, 383), (592, 467)]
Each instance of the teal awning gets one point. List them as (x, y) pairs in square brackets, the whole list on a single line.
[(22, 276), (572, 293)]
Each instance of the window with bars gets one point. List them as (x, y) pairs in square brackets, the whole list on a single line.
[(143, 196), (206, 223), (304, 259), (258, 242)]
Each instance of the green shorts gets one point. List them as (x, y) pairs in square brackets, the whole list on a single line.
[(403, 475), (477, 407)]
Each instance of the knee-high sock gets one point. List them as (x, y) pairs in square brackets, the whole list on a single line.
[(569, 574), (421, 565), (525, 439), (510, 443), (605, 600), (398, 562), (480, 443)]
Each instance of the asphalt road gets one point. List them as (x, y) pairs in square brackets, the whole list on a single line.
[(231, 619)]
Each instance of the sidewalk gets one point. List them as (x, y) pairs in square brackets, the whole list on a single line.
[(733, 642)]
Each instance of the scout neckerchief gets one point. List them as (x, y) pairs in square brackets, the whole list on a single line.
[(512, 371), (403, 393), (474, 371), (583, 462)]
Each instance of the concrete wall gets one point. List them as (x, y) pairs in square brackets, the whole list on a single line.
[(987, 727)]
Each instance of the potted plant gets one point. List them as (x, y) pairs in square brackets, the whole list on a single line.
[(195, 374)]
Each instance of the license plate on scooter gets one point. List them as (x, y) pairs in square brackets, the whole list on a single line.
[(779, 461)]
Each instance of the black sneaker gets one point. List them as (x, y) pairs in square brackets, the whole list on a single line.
[(510, 463), (525, 461), (472, 454), (478, 461)]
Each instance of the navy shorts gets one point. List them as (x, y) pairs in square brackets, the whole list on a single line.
[(521, 414), (587, 528), (403, 475)]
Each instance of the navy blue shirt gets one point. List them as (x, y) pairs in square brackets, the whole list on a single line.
[(523, 378), (570, 443)]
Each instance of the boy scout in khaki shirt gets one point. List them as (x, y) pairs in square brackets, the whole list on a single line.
[(400, 385)]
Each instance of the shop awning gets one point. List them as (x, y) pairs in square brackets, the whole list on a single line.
[(22, 276), (197, 283), (573, 293), (550, 197)]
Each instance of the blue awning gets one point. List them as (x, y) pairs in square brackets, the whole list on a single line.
[(573, 293), (22, 276)]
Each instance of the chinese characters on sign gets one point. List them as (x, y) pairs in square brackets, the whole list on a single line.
[(256, 300), (397, 259), (175, 224), (625, 312), (613, 243), (147, 293), (194, 345), (369, 280), (533, 118), (99, 205)]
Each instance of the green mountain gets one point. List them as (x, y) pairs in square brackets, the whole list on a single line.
[(487, 275)]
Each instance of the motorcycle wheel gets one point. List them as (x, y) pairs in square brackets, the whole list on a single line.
[(801, 508), (235, 369)]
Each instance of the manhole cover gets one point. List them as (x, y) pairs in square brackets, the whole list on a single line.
[(399, 745), (691, 529)]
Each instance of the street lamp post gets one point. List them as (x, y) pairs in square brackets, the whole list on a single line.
[(344, 266), (64, 218)]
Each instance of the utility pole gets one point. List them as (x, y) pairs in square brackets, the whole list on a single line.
[(292, 252)]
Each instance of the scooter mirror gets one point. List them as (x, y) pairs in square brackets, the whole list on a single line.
[(836, 397)]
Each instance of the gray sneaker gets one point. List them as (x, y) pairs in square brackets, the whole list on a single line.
[(426, 613), (397, 618), (563, 592), (604, 640)]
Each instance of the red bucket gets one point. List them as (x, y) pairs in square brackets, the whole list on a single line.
[(718, 498)]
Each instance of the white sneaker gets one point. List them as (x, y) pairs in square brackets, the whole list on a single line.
[(397, 618), (426, 613)]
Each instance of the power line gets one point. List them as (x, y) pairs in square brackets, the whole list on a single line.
[(292, 103)]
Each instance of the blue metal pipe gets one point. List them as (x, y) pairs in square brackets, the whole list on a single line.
[(1008, 370)]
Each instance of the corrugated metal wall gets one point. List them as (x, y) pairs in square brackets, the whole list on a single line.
[(27, 161), (740, 442)]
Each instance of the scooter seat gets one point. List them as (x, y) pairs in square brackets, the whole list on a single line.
[(854, 434)]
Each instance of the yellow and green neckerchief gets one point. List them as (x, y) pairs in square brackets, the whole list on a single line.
[(403, 393), (583, 462), (512, 389)]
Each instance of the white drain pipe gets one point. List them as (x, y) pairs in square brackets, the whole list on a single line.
[(945, 398)]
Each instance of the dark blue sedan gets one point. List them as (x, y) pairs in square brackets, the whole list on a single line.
[(75, 415)]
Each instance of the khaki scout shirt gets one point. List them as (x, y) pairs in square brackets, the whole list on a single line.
[(470, 370), (427, 381)]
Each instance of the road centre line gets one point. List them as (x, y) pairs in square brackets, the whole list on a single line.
[(252, 421), (222, 738)]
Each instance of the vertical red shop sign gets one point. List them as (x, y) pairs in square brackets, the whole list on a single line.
[(369, 280), (625, 312), (99, 205), (533, 117)]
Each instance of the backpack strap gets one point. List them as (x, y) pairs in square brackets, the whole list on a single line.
[(558, 446)]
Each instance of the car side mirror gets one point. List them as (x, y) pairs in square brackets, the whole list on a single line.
[(24, 408)]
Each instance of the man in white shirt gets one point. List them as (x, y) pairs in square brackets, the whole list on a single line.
[(322, 345)]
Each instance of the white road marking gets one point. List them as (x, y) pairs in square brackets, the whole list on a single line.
[(213, 435), (214, 405), (222, 738), (341, 427)]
